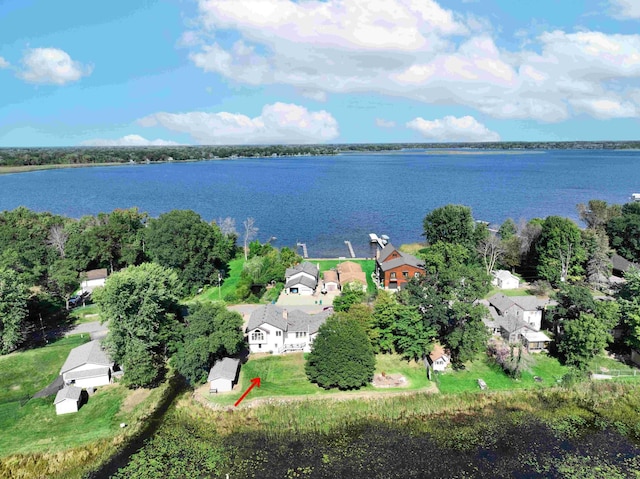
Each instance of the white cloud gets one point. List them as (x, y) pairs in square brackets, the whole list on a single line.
[(317, 95), (606, 108), (454, 129), (419, 50), (4, 63), (51, 65), (626, 9), (278, 123), (382, 123), (128, 140)]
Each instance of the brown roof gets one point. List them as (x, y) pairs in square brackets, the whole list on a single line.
[(330, 276), (349, 267), (437, 353), (351, 276), (96, 274)]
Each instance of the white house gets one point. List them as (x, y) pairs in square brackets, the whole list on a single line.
[(67, 400), (272, 329), (301, 279), (93, 279), (224, 374), (87, 366), (527, 308), (503, 279), (438, 359)]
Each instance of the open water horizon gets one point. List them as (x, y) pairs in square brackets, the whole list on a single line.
[(324, 200)]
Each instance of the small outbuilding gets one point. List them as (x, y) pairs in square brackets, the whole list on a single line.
[(503, 279), (224, 375), (67, 400), (438, 359)]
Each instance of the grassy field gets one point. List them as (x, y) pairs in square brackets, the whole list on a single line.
[(545, 367), (368, 267), (228, 286), (85, 314), (284, 376), (26, 372)]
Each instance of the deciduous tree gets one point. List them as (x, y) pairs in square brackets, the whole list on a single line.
[(559, 249), (451, 224), (13, 309), (342, 356), (582, 339)]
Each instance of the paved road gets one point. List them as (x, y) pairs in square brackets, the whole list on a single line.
[(94, 329)]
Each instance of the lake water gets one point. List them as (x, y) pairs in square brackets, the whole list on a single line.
[(325, 200)]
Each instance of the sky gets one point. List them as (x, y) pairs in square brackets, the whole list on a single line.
[(147, 72)]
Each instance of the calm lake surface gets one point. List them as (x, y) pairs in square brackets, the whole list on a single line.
[(325, 200)]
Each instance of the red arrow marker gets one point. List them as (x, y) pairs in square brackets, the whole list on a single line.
[(254, 382)]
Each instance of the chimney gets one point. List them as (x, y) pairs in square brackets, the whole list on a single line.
[(285, 315)]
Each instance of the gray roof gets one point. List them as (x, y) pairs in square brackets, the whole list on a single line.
[(270, 314), (225, 368), (511, 323), (89, 353), (405, 258), (305, 267), (89, 373), (504, 274), (622, 264), (69, 392), (526, 303), (300, 321), (304, 280), (296, 320)]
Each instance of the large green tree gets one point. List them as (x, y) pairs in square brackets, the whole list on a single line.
[(582, 339), (211, 332), (451, 224), (182, 240), (342, 355), (629, 301), (624, 232), (351, 294), (140, 304), (13, 309), (559, 250)]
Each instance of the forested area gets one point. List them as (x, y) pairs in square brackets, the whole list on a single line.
[(150, 154)]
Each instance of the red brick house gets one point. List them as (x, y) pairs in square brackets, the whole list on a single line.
[(394, 268)]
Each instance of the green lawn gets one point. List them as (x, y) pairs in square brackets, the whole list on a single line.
[(85, 314), (228, 285), (284, 376), (509, 292), (24, 373), (35, 427), (545, 367), (368, 266)]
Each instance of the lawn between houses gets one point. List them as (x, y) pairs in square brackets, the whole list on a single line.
[(282, 376)]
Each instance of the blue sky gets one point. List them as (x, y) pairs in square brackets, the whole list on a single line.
[(336, 71)]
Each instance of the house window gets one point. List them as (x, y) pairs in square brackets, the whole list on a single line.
[(416, 274), (257, 336), (278, 333), (301, 334), (405, 274), (392, 275)]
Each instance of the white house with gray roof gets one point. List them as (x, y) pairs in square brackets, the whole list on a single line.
[(272, 329), (301, 279), (87, 366), (67, 400), (224, 374), (503, 279), (518, 318)]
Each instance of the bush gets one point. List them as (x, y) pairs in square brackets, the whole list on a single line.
[(342, 355)]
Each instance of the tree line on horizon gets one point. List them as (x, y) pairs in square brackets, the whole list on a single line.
[(77, 155)]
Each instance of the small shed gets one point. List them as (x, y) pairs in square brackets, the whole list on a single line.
[(535, 341), (438, 359), (67, 400), (503, 279), (224, 374), (330, 280)]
